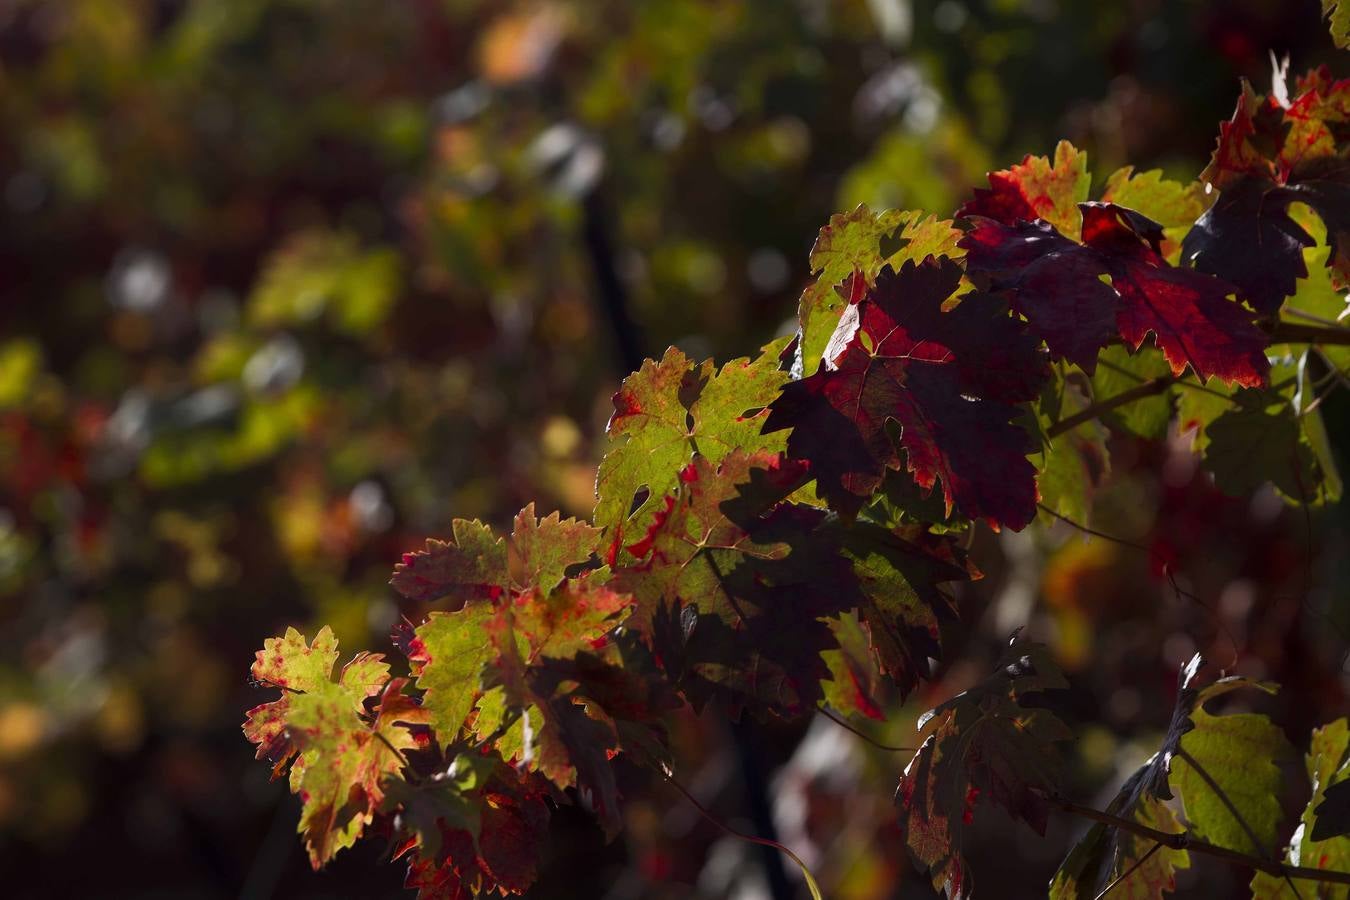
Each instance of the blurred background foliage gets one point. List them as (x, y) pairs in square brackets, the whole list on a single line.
[(285, 285)]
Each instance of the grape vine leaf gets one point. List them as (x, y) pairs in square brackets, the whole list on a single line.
[(1318, 299), (484, 656), (1193, 736), (1036, 188), (1078, 297), (864, 242), (447, 655), (343, 763), (476, 564), (459, 657), (1333, 815), (573, 742), (854, 685), (1253, 443), (1119, 370), (543, 550), (666, 411), (297, 667), (988, 746), (897, 587), (1337, 14), (1228, 774), (1248, 438), (1173, 205), (1104, 854), (1320, 840), (471, 565), (948, 378), (338, 759), (451, 653), (1076, 461), (722, 588), (470, 827), (624, 683), (436, 799), (1268, 157)]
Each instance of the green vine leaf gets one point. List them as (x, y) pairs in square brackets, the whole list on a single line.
[(1320, 840), (298, 668), (1193, 736), (338, 759), (665, 412), (1229, 778)]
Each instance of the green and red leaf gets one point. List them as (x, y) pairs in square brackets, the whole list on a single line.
[(911, 384)]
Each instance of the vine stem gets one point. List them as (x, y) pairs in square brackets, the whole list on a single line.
[(1184, 841), (1279, 333), (1301, 333), (1087, 414), (1123, 876), (753, 839), (403, 760), (838, 720)]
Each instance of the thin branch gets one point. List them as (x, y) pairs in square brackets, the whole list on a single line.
[(1310, 317), (263, 681), (1223, 797), (508, 720), (403, 760), (839, 720), (763, 842), (1299, 333), (1144, 389), (1184, 841), (1130, 871), (1124, 542)]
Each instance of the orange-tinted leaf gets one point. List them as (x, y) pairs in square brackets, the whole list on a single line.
[(1036, 188)]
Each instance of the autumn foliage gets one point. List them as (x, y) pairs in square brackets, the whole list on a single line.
[(771, 536)]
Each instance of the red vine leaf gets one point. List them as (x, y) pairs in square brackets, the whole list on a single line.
[(906, 373), (1268, 157), (1078, 297)]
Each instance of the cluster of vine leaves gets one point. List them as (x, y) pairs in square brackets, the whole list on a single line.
[(771, 533)]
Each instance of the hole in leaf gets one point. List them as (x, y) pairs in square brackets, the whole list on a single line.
[(892, 244)]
